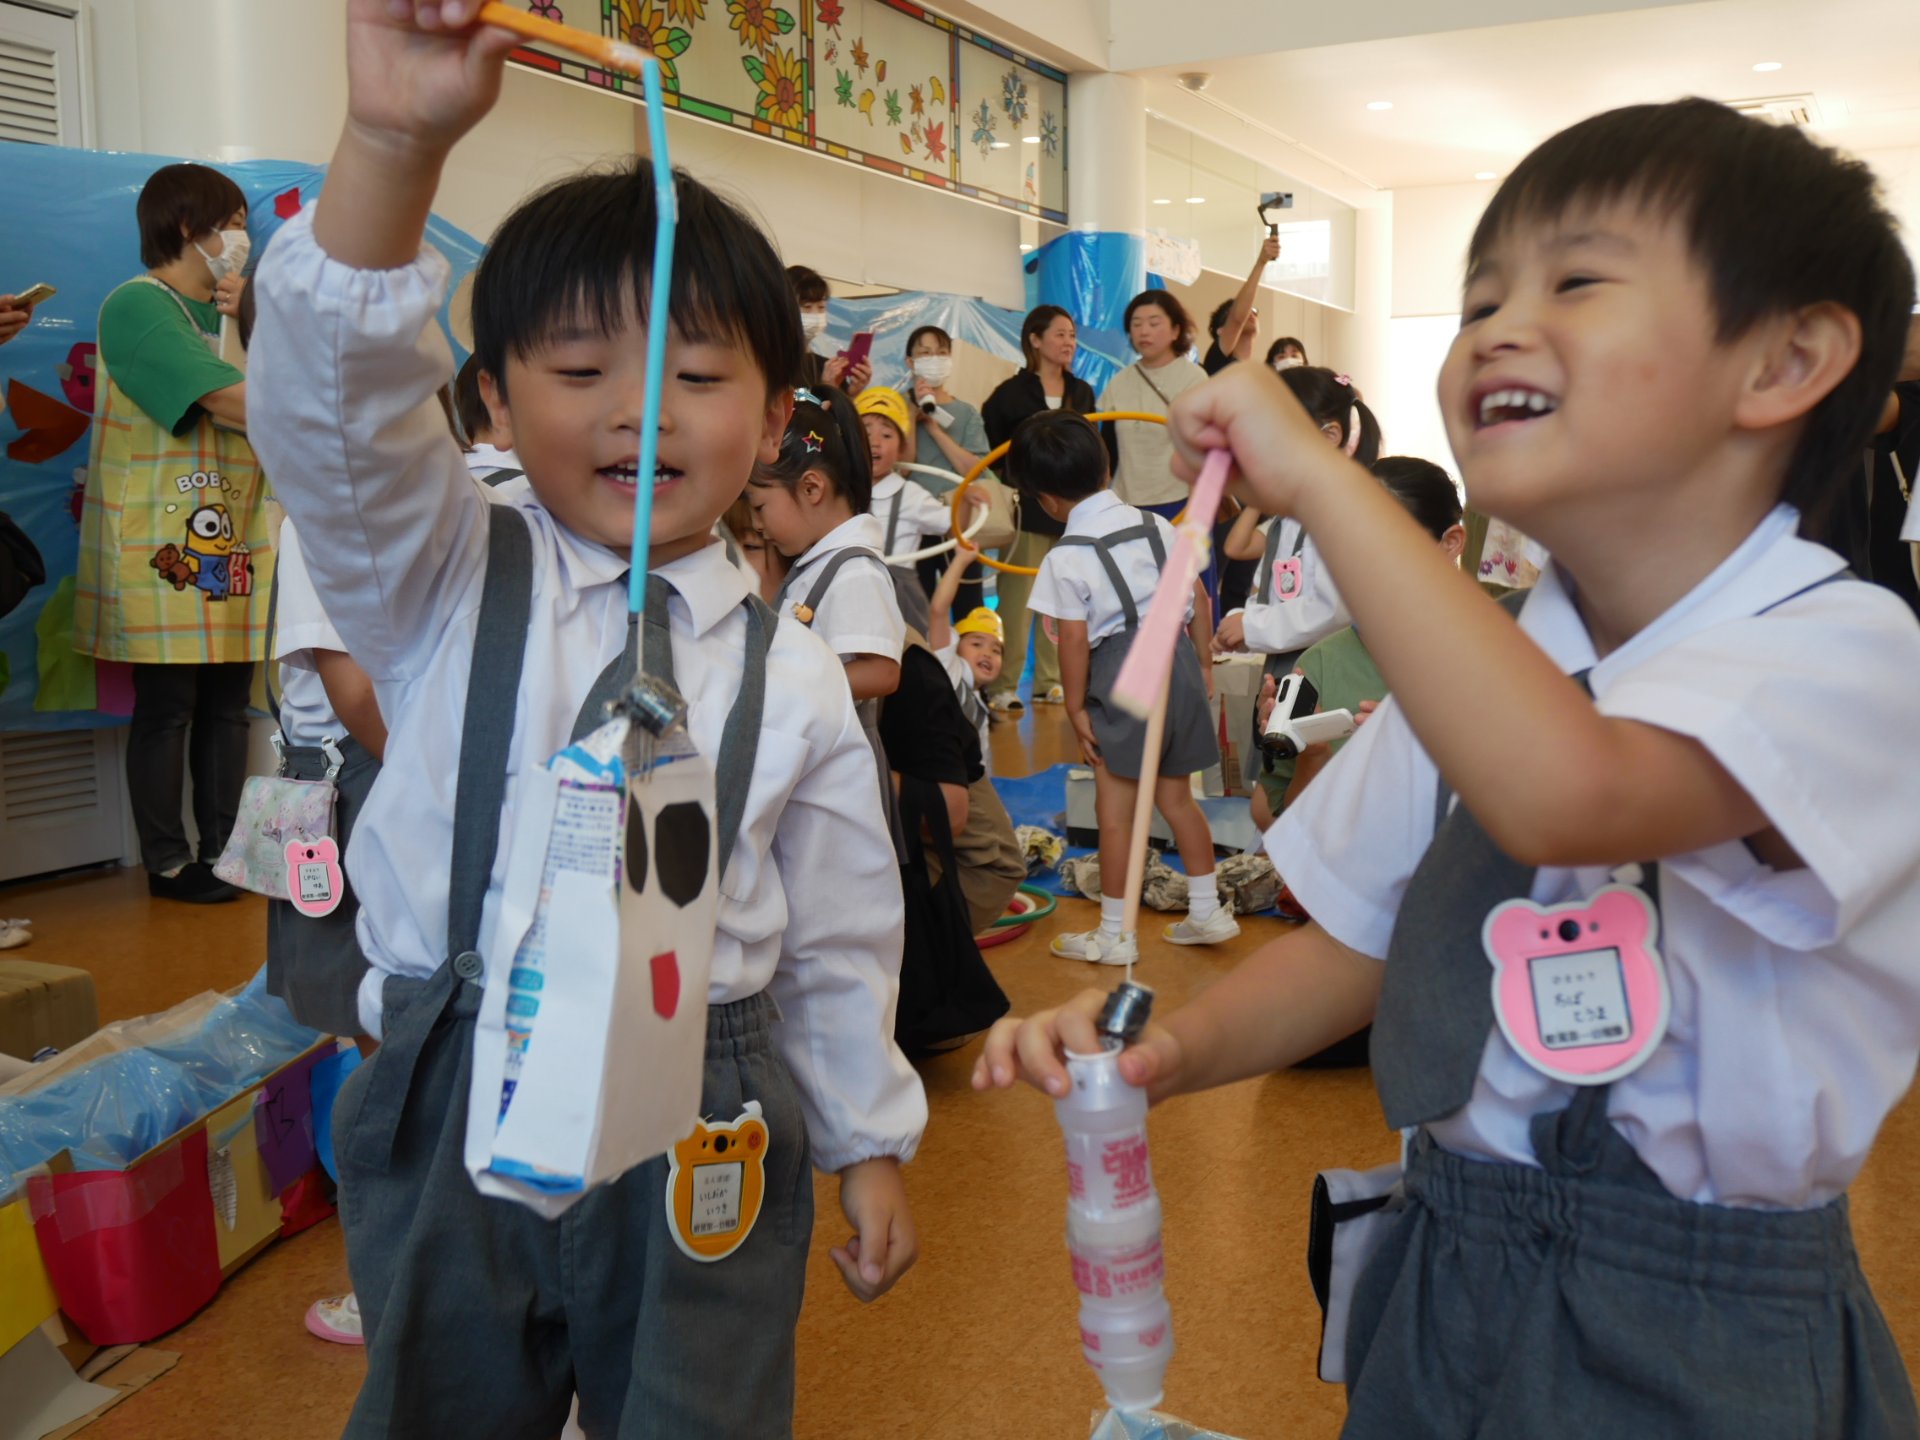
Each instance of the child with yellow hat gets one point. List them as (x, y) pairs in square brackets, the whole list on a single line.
[(972, 648)]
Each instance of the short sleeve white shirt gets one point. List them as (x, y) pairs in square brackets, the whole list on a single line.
[(1074, 585), (1796, 995), (301, 627), (860, 613), (923, 519), (1282, 626)]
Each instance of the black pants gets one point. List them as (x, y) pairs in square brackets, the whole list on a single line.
[(168, 702)]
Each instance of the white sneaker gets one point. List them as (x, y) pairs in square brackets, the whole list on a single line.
[(1216, 927), (1097, 948), (14, 933), (1056, 695), (1005, 702), (336, 1320)]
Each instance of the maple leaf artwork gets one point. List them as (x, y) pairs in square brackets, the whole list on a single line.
[(916, 101), (936, 141), (893, 107), (866, 105), (830, 13), (843, 88), (860, 54)]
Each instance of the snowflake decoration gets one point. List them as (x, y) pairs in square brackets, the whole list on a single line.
[(1013, 96), (983, 125), (1049, 133)]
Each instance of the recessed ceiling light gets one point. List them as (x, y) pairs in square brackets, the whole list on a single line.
[(1024, 247), (1766, 67), (1196, 199), (1484, 175), (1379, 105), (1029, 139), (1002, 144), (1162, 201)]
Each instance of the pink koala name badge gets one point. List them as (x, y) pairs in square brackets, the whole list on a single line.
[(1286, 579), (314, 882), (1580, 989)]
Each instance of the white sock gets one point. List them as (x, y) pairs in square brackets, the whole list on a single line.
[(1203, 897), (1112, 912)]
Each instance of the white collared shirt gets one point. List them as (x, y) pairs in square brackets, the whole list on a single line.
[(486, 460), (1796, 996), (300, 627), (1280, 627), (860, 613), (921, 516), (342, 380), (1074, 585)]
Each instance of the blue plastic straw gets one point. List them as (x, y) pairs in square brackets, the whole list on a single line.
[(666, 222)]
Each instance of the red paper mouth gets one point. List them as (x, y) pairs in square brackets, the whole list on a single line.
[(666, 985)]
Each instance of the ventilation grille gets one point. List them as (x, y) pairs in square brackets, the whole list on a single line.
[(48, 776), (1780, 109), (29, 93)]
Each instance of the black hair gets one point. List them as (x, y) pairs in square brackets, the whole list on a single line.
[(1332, 400), (809, 286), (1175, 312), (1424, 491), (581, 252), (195, 196), (1058, 453), (1219, 317), (1033, 327), (246, 313), (1280, 347), (1775, 222), (469, 404), (914, 338), (825, 434)]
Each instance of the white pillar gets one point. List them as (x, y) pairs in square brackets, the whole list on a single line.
[(1107, 152), (242, 79)]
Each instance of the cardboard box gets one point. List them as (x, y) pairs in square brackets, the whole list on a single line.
[(26, 1294), (42, 1005)]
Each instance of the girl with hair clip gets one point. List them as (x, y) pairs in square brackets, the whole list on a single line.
[(811, 502), (1293, 603)]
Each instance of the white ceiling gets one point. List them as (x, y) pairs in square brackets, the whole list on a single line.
[(1478, 100)]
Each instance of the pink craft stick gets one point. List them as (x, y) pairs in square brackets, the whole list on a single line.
[(1150, 661)]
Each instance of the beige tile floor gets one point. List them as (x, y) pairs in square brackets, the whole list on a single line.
[(979, 1342)]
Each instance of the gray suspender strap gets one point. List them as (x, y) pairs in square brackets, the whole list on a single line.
[(273, 644), (501, 477), (831, 569), (486, 734), (1273, 553), (893, 519), (740, 738), (1103, 547)]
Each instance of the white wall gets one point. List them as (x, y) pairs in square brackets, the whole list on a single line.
[(1431, 227), (1899, 172), (852, 223)]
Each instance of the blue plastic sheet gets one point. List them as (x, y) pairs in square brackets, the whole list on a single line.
[(1091, 274), (70, 224), (1149, 1425), (110, 1111)]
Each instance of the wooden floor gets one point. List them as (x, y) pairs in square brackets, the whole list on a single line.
[(980, 1340)]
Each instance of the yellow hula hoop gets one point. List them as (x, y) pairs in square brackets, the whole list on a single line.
[(980, 468)]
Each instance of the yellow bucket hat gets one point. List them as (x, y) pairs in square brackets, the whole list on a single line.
[(982, 621), (888, 405)]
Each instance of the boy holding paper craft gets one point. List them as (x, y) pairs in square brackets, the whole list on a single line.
[(672, 1314), (1648, 921), (1096, 583)]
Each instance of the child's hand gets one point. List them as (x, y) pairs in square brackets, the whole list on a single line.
[(1263, 703), (884, 1246), (1031, 1050), (421, 73), (1083, 728), (1278, 452), (1230, 634), (1362, 711)]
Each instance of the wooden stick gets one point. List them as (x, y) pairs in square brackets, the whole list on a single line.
[(1143, 813), (614, 54)]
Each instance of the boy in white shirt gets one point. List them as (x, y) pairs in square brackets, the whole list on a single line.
[(482, 1317), (1649, 989), (1097, 582)]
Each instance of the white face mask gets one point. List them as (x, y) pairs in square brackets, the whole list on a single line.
[(1288, 362), (934, 369), (813, 323), (233, 259)]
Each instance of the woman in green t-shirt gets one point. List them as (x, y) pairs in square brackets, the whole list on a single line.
[(1342, 671), (175, 554)]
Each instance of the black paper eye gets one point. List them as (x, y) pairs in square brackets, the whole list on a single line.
[(682, 836), (636, 849)]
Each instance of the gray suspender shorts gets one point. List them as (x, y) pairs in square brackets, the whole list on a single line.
[(1190, 742), (481, 1317)]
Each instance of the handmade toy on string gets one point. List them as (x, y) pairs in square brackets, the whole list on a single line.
[(582, 1073)]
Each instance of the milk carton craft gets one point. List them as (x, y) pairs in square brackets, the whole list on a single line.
[(590, 1043), (1580, 990)]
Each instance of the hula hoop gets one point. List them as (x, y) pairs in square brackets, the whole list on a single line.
[(998, 451), (1042, 904), (945, 545)]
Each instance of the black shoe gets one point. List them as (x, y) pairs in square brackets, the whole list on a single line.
[(196, 884)]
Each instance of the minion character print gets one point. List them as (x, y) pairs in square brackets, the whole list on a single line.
[(210, 560)]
